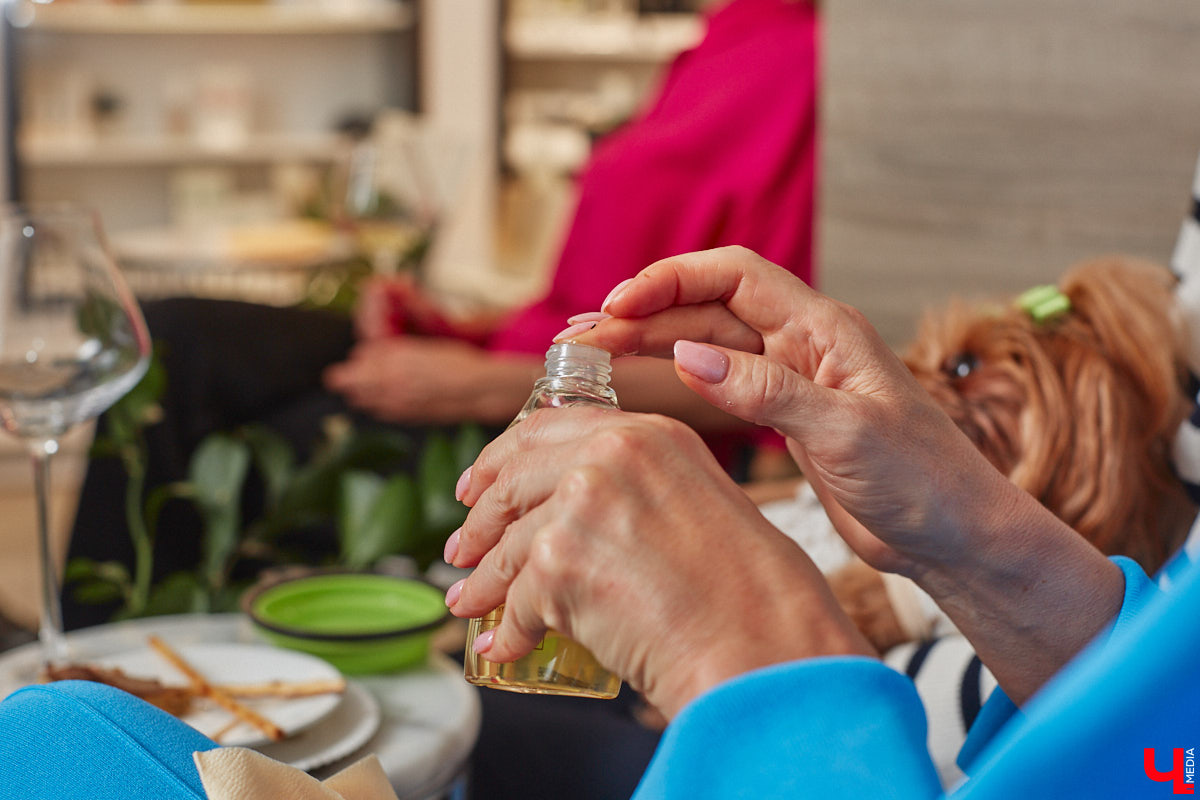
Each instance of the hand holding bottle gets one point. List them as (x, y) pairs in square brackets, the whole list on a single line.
[(623, 532)]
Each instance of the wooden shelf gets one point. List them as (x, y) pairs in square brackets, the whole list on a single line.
[(167, 151), (602, 37), (216, 19)]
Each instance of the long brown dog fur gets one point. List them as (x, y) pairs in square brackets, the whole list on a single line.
[(1079, 410)]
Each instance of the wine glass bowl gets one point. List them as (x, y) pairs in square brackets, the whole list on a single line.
[(72, 341)]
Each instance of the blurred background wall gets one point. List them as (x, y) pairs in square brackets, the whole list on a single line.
[(979, 147)]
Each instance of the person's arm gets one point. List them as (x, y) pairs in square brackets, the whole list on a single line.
[(433, 380), (623, 532), (437, 379), (904, 487)]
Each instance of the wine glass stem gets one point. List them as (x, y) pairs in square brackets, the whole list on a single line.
[(50, 630)]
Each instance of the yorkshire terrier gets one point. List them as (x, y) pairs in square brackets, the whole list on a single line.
[(1079, 406)]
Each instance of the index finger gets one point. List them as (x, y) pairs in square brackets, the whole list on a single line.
[(729, 296), (740, 279), (656, 334)]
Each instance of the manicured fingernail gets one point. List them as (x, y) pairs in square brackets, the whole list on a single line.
[(464, 481), (590, 316), (451, 547), (454, 592), (574, 330), (483, 642), (707, 364), (616, 290)]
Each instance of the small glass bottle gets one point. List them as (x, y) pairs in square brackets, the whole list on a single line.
[(575, 374)]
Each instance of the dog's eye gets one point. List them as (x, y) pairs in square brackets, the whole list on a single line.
[(961, 365)]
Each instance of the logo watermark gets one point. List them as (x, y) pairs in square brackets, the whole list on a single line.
[(1182, 774)]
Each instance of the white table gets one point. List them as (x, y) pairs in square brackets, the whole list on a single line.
[(431, 716)]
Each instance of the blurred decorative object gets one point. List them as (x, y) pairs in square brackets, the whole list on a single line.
[(58, 107), (222, 116), (397, 185), (619, 36), (359, 622), (550, 132)]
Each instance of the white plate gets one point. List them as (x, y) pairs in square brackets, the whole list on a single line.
[(232, 664), (347, 728)]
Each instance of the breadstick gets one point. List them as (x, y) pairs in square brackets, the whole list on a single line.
[(202, 687), (221, 734), (286, 689)]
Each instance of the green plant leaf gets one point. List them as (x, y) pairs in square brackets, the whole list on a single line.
[(436, 477), (359, 491), (312, 494), (274, 457), (378, 449), (468, 444), (97, 592), (217, 473), (86, 569), (179, 593), (378, 517), (137, 409)]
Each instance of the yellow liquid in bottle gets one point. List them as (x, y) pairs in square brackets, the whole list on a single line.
[(558, 665)]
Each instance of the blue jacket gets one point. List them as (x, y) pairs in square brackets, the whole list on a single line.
[(836, 728)]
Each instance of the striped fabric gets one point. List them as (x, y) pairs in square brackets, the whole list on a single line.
[(953, 685), (1185, 263)]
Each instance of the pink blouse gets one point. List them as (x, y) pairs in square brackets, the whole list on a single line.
[(724, 154)]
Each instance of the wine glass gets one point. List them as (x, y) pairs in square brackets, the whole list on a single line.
[(72, 341)]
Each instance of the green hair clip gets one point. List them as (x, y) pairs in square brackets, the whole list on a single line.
[(1043, 303)]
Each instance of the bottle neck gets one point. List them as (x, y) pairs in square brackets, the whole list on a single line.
[(579, 361), (578, 369)]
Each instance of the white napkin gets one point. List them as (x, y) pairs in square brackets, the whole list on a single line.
[(238, 773)]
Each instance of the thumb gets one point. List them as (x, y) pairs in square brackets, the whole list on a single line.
[(754, 388)]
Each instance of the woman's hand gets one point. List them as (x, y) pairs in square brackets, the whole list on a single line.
[(390, 306), (621, 531), (882, 456), (903, 485), (432, 380)]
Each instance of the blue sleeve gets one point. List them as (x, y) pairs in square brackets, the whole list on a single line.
[(999, 710), (1085, 735), (828, 727), (76, 740)]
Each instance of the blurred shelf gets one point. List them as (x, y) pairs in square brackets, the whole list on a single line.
[(292, 244), (631, 38), (165, 18), (160, 151), (273, 263)]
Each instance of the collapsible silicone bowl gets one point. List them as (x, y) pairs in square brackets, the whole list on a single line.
[(361, 623)]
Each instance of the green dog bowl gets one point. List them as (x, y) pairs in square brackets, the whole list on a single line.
[(361, 623)]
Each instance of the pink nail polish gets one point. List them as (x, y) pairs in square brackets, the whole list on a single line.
[(483, 642), (574, 330), (451, 547), (706, 363), (464, 483), (616, 290), (590, 316), (454, 592)]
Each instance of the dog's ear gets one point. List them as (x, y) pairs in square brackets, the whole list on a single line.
[(1127, 305), (1120, 356)]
